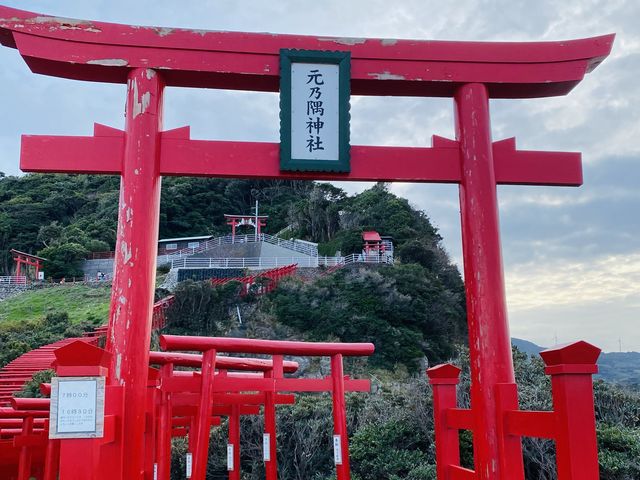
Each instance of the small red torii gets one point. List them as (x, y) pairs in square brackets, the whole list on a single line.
[(28, 260), (238, 220)]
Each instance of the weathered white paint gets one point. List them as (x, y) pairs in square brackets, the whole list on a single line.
[(109, 62)]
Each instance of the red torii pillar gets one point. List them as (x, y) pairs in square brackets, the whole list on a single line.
[(135, 261), (484, 276)]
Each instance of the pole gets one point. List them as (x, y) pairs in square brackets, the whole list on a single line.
[(233, 467), (257, 223), (203, 429), (340, 436), (163, 448), (24, 463), (129, 331), (269, 441), (489, 340)]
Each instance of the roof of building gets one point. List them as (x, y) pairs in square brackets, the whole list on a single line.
[(371, 236), (23, 254)]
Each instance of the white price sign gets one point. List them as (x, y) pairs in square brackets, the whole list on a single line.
[(189, 464), (230, 457), (77, 407), (337, 450), (266, 447)]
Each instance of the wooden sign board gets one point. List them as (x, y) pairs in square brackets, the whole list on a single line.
[(314, 110), (77, 407)]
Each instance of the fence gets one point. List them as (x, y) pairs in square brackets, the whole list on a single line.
[(100, 255), (274, 262), (262, 282), (300, 246), (13, 280), (306, 248), (159, 318)]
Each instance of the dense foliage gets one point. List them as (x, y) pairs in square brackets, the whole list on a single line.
[(61, 216), (200, 308), (391, 432), (64, 216), (406, 311)]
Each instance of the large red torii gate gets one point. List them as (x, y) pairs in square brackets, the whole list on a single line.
[(148, 59)]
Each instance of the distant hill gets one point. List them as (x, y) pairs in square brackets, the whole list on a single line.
[(618, 367), (526, 346)]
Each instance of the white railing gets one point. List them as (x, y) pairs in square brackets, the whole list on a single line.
[(306, 248), (255, 262), (273, 262), (13, 280), (370, 258)]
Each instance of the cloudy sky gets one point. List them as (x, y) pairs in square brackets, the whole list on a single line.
[(572, 256)]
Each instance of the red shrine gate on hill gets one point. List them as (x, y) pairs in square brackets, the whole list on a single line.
[(471, 73)]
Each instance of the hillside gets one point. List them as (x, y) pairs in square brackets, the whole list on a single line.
[(418, 306), (412, 311), (618, 367), (80, 302)]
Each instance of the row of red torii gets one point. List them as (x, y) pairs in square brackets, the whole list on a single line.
[(177, 400), (149, 59)]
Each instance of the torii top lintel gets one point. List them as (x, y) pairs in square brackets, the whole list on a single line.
[(106, 52)]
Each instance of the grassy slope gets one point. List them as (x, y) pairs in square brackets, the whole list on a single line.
[(81, 302)]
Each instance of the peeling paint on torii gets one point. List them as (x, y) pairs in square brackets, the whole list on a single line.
[(149, 58)]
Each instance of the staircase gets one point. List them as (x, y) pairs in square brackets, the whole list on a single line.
[(20, 371)]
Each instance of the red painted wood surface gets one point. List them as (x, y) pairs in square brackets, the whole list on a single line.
[(571, 424), (20, 371), (489, 338), (185, 157), (443, 379), (269, 347), (250, 283), (222, 362), (133, 288), (105, 52)]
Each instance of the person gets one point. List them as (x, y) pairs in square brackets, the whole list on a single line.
[(99, 275)]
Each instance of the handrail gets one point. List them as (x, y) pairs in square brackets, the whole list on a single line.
[(13, 280), (273, 262), (305, 248)]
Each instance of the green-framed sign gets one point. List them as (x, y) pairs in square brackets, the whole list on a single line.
[(314, 110)]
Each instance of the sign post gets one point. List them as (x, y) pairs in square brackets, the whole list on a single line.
[(314, 110), (77, 407)]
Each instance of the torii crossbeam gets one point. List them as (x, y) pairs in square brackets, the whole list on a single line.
[(150, 58)]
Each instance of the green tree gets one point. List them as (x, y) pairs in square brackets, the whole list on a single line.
[(64, 260), (199, 308)]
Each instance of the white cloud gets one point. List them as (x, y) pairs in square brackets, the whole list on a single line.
[(605, 279)]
